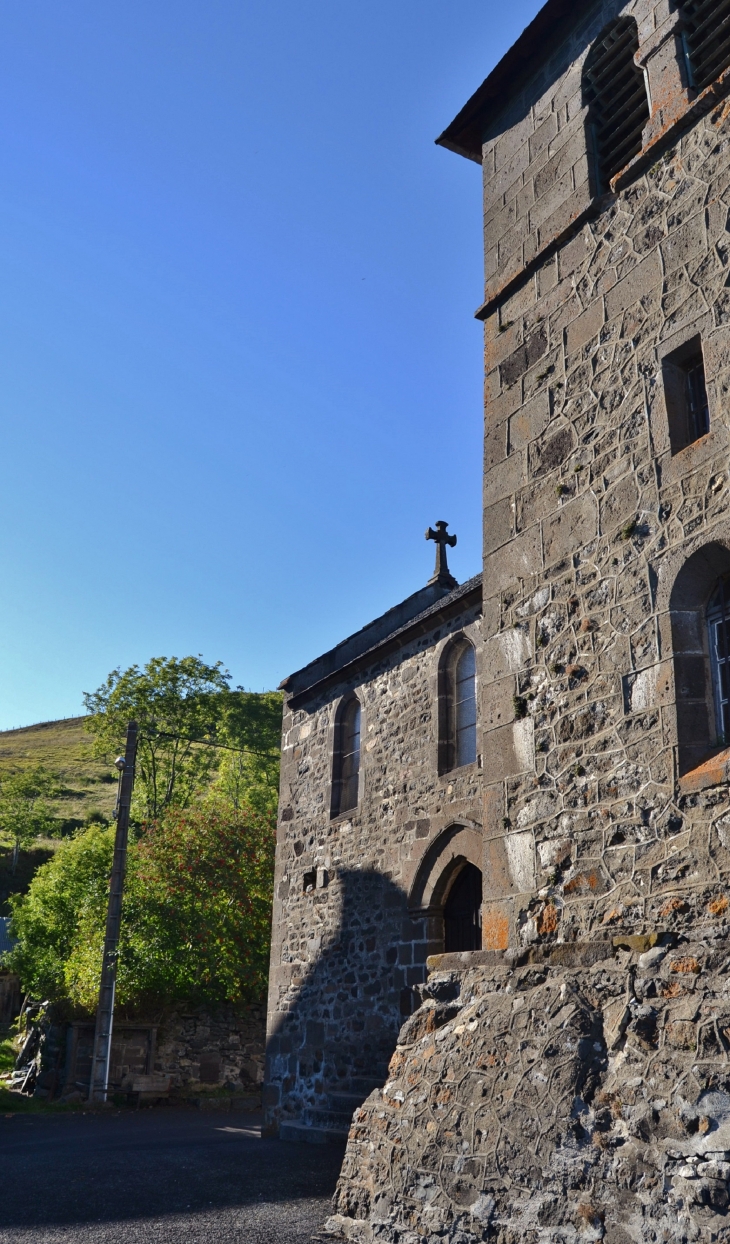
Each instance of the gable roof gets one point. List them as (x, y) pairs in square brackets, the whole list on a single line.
[(417, 614), (464, 135)]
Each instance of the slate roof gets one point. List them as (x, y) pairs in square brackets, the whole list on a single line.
[(418, 613)]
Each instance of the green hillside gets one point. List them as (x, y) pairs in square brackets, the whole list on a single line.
[(88, 787), (66, 748)]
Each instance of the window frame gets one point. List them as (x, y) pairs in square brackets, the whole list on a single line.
[(449, 730), (718, 625), (606, 140), (342, 802), (678, 366)]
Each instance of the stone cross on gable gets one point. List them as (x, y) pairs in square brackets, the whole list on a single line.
[(441, 573)]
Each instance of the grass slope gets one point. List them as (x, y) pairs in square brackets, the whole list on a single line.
[(88, 786), (66, 748)]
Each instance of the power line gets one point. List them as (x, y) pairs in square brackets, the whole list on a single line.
[(184, 738)]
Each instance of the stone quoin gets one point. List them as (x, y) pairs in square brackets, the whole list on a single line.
[(566, 1075)]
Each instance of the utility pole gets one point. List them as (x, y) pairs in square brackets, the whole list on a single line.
[(99, 1082)]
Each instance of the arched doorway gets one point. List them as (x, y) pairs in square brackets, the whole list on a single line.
[(447, 890), (462, 911)]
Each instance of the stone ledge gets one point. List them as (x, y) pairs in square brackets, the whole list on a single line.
[(567, 954), (555, 954), (712, 772)]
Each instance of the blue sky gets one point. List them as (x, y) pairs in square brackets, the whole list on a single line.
[(239, 370)]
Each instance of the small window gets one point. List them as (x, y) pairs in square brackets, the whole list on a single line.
[(346, 767), (615, 91), (718, 621), (685, 393), (458, 706), (706, 40)]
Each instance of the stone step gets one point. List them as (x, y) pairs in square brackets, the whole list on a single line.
[(347, 1102), (340, 1120), (365, 1084), (308, 1135)]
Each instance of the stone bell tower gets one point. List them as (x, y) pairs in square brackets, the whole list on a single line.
[(604, 143), (571, 1080)]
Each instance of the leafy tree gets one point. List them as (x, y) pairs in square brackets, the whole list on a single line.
[(176, 702), (184, 708), (48, 919), (24, 814), (195, 920), (250, 724)]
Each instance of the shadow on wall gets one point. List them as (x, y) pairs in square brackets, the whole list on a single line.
[(338, 1021)]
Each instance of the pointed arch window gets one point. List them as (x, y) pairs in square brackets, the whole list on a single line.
[(458, 741), (346, 760), (614, 89)]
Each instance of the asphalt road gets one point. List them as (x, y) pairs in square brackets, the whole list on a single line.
[(168, 1176)]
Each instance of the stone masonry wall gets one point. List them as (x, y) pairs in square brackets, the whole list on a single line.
[(590, 823), (224, 1047), (582, 1095), (346, 953), (536, 169)]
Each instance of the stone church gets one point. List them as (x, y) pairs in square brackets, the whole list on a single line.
[(540, 902)]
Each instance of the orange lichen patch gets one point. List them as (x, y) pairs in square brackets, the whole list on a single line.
[(673, 990), (672, 905), (548, 920), (582, 882), (687, 964), (495, 931), (718, 905)]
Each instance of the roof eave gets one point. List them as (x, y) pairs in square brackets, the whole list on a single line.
[(463, 135)]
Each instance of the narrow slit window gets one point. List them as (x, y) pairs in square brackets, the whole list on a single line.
[(465, 707), (346, 777), (706, 40), (614, 89), (718, 619), (685, 393)]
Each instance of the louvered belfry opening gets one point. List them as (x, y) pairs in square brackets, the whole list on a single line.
[(615, 92), (706, 37)]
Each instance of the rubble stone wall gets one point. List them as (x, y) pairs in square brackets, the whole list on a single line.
[(574, 1096), (346, 949), (224, 1047)]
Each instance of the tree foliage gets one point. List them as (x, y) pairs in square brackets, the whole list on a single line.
[(184, 708), (24, 812), (195, 920), (175, 702)]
